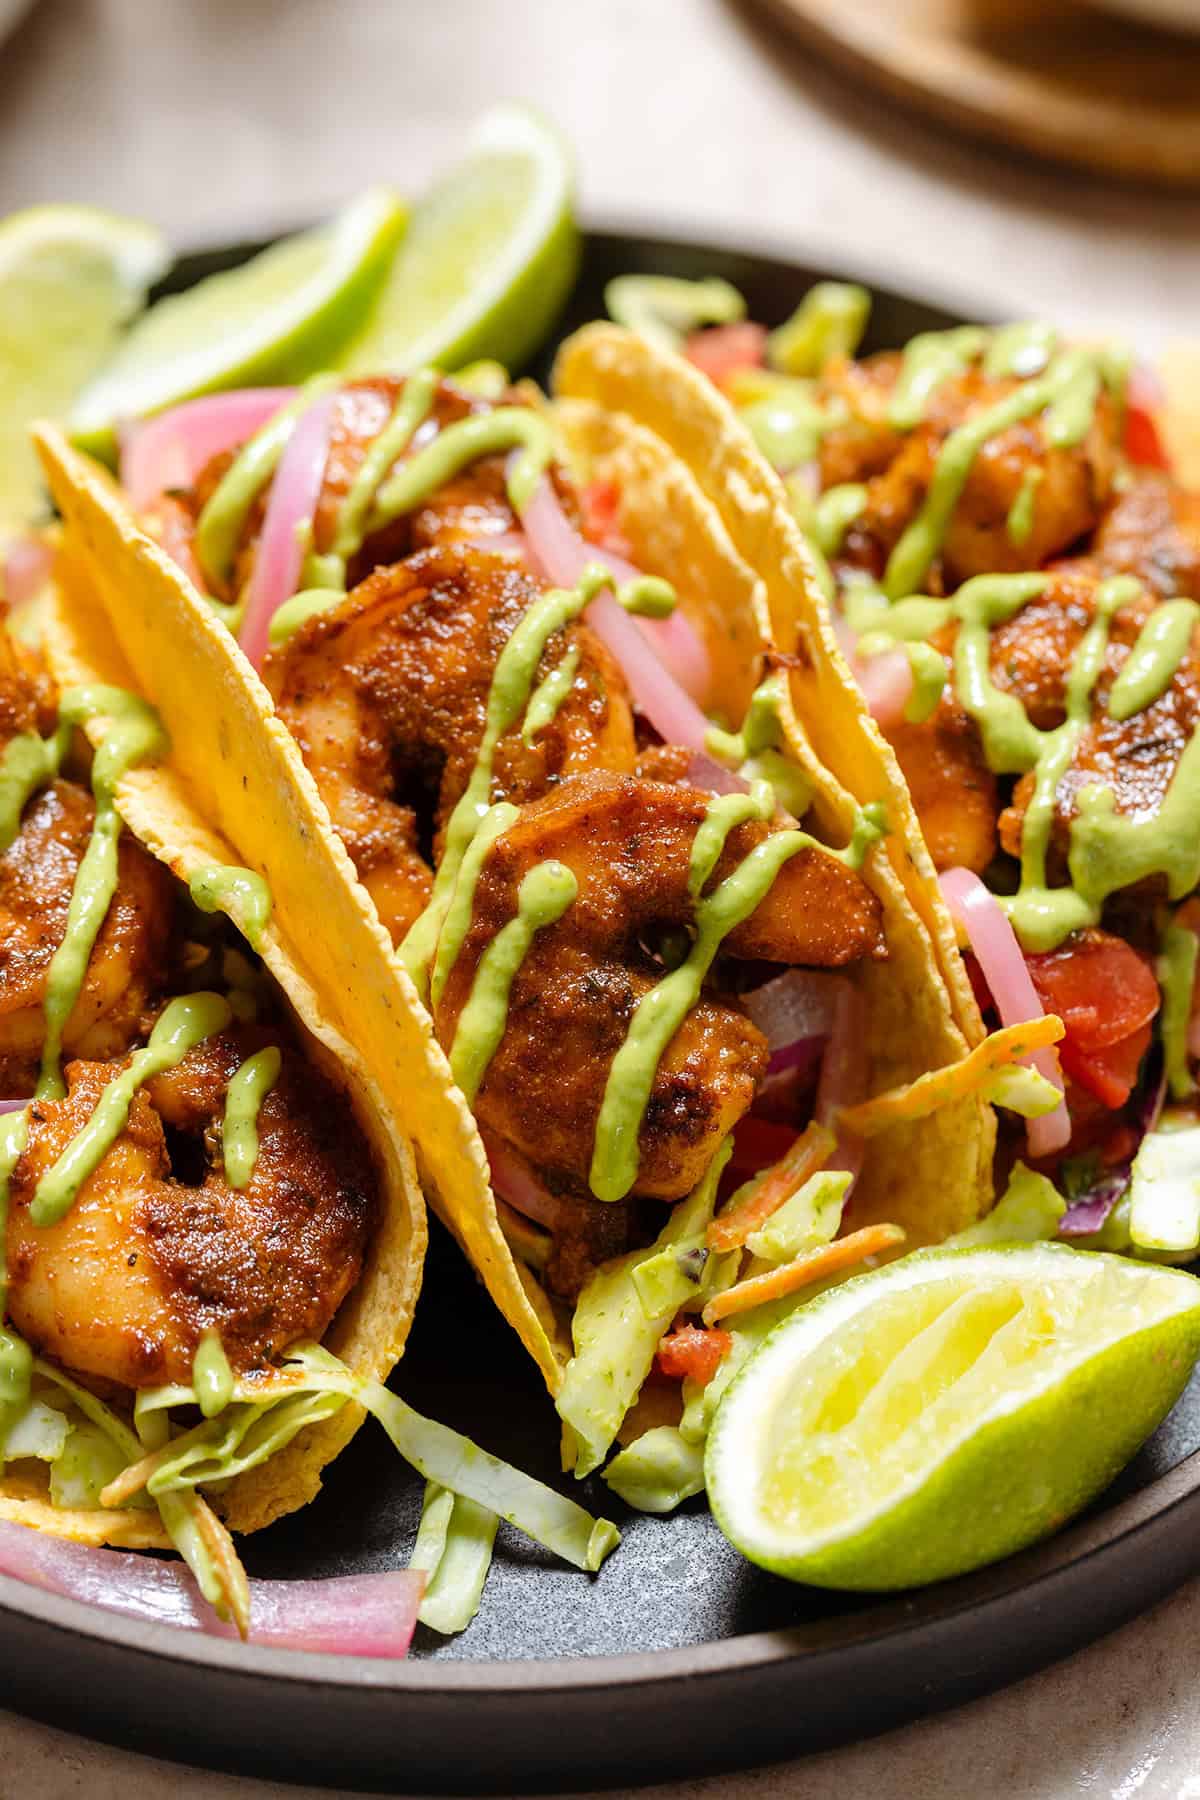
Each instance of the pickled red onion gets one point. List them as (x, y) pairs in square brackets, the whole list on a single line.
[(886, 681), (998, 954), (280, 554), (349, 1615), (843, 1078), (657, 691), (169, 451), (793, 1008), (515, 1181), (25, 569)]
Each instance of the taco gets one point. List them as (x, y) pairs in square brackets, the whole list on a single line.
[(1006, 530), (205, 1187), (577, 736)]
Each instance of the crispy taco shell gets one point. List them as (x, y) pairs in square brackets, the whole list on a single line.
[(932, 1178), (228, 746), (166, 815)]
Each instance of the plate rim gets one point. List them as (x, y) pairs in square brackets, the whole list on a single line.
[(908, 1610), (988, 1592)]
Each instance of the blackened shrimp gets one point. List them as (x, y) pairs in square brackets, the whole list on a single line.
[(1152, 530), (128, 962), (158, 1247), (471, 505), (1030, 657), (1073, 483), (628, 842), (387, 696)]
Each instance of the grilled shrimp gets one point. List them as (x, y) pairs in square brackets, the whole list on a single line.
[(952, 788), (387, 695), (628, 842), (158, 1248), (128, 961), (1135, 757), (472, 505), (1030, 657), (1073, 483), (37, 871), (1152, 531)]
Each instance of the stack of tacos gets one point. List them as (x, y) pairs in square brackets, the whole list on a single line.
[(558, 780)]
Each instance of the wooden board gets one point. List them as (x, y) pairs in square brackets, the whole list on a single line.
[(1057, 77)]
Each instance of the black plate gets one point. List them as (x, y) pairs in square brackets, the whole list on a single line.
[(679, 1658)]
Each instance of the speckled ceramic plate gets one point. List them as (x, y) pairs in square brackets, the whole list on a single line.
[(679, 1658)]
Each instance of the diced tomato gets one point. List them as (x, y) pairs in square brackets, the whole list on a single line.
[(1143, 443), (759, 1144), (600, 502), (1102, 989), (693, 1353), (1110, 1072), (722, 350), (1144, 399), (1106, 995)]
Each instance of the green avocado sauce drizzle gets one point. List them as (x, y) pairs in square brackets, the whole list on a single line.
[(929, 682), (548, 889), (494, 823), (660, 1012), (1107, 851), (543, 897), (1150, 667), (931, 359), (248, 1088), (1023, 349), (182, 1025), (223, 518), (549, 695), (754, 750), (483, 434), (1067, 392), (28, 763), (16, 1358), (411, 410), (1018, 526), (239, 893), (511, 683), (212, 1377), (134, 735), (834, 512)]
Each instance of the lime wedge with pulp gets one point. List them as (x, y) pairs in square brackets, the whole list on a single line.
[(489, 258), (279, 317), (70, 278), (941, 1412)]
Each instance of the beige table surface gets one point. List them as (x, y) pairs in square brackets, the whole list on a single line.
[(220, 117)]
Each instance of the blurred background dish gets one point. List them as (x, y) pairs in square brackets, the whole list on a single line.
[(1047, 76), (1176, 15)]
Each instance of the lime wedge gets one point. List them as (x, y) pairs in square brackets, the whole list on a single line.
[(284, 314), (489, 258), (70, 278), (948, 1409)]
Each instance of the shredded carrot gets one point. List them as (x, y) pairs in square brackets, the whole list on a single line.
[(811, 1150), (814, 1265), (230, 1573), (132, 1480), (938, 1087)]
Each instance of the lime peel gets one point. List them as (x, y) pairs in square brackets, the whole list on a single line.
[(490, 257), (934, 1415)]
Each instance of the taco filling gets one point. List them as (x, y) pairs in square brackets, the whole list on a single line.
[(1015, 575), (213, 1232), (648, 927)]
